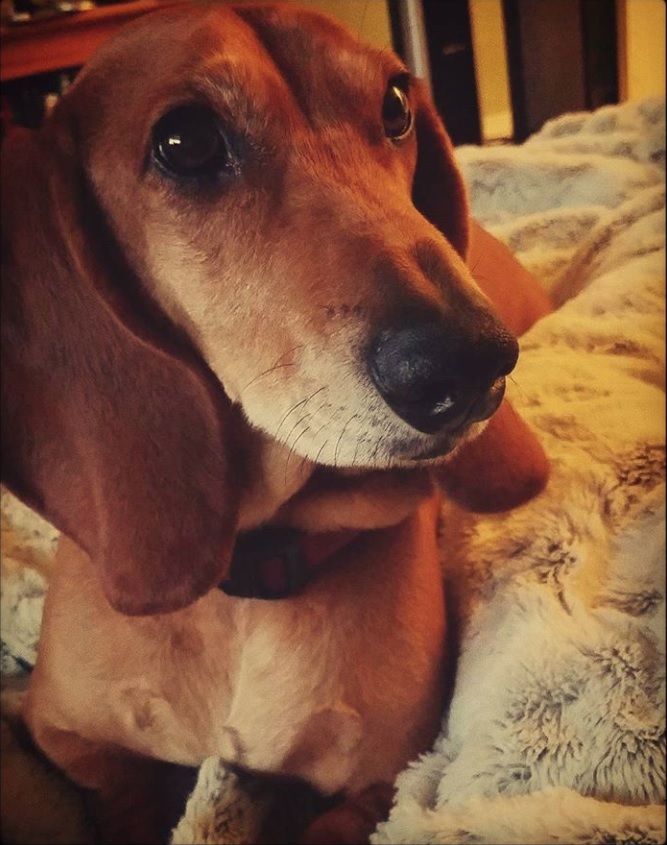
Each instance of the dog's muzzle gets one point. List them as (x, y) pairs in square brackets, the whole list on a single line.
[(440, 377)]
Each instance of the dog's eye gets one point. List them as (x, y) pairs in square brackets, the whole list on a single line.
[(189, 142), (396, 113)]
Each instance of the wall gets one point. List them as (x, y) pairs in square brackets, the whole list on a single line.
[(369, 18), (488, 36), (642, 48)]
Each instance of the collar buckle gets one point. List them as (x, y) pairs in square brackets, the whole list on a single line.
[(268, 563)]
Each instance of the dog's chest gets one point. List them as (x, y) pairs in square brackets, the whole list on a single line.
[(293, 707), (339, 685), (267, 688)]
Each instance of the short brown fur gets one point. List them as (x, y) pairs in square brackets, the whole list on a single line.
[(149, 339)]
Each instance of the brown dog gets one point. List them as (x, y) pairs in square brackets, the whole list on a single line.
[(238, 322)]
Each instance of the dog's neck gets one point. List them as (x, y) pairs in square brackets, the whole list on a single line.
[(295, 516), (277, 562), (287, 490)]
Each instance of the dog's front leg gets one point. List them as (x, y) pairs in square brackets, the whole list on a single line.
[(129, 799)]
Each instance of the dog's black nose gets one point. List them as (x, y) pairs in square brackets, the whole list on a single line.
[(438, 375)]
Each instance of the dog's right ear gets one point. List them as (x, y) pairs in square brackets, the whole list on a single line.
[(438, 191), (112, 428), (504, 467)]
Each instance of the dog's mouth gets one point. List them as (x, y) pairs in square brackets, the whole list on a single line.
[(380, 437), (456, 429), (384, 413), (440, 375)]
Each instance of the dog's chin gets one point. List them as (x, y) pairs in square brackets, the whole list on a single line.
[(400, 450), (388, 441), (436, 449)]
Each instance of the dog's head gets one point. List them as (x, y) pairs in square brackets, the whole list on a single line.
[(238, 217)]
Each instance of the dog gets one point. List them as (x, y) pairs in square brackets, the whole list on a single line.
[(248, 339)]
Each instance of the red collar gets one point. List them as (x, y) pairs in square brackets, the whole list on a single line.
[(275, 562)]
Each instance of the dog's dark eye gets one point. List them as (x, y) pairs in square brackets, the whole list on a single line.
[(189, 142), (396, 113)]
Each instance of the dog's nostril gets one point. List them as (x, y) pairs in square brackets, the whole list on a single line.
[(509, 356), (422, 401), (435, 379), (437, 395), (409, 375)]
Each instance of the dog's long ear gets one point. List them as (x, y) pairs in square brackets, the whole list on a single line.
[(437, 189), (502, 468), (115, 434), (506, 465)]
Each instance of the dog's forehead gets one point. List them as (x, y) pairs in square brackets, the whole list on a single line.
[(252, 63), (324, 67), (256, 61), (303, 42)]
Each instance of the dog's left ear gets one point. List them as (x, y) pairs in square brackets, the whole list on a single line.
[(437, 189), (502, 468), (506, 465)]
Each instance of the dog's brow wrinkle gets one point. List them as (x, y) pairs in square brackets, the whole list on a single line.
[(317, 82), (294, 78)]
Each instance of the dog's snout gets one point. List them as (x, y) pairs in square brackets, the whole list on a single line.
[(436, 375)]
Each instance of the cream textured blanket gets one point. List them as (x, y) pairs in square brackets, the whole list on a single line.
[(556, 727)]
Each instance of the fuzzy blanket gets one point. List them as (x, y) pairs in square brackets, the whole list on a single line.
[(555, 732)]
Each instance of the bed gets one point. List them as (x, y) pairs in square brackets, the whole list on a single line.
[(556, 728)]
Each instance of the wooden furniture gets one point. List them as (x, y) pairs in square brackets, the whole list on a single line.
[(562, 57), (65, 41), (40, 57), (447, 60)]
